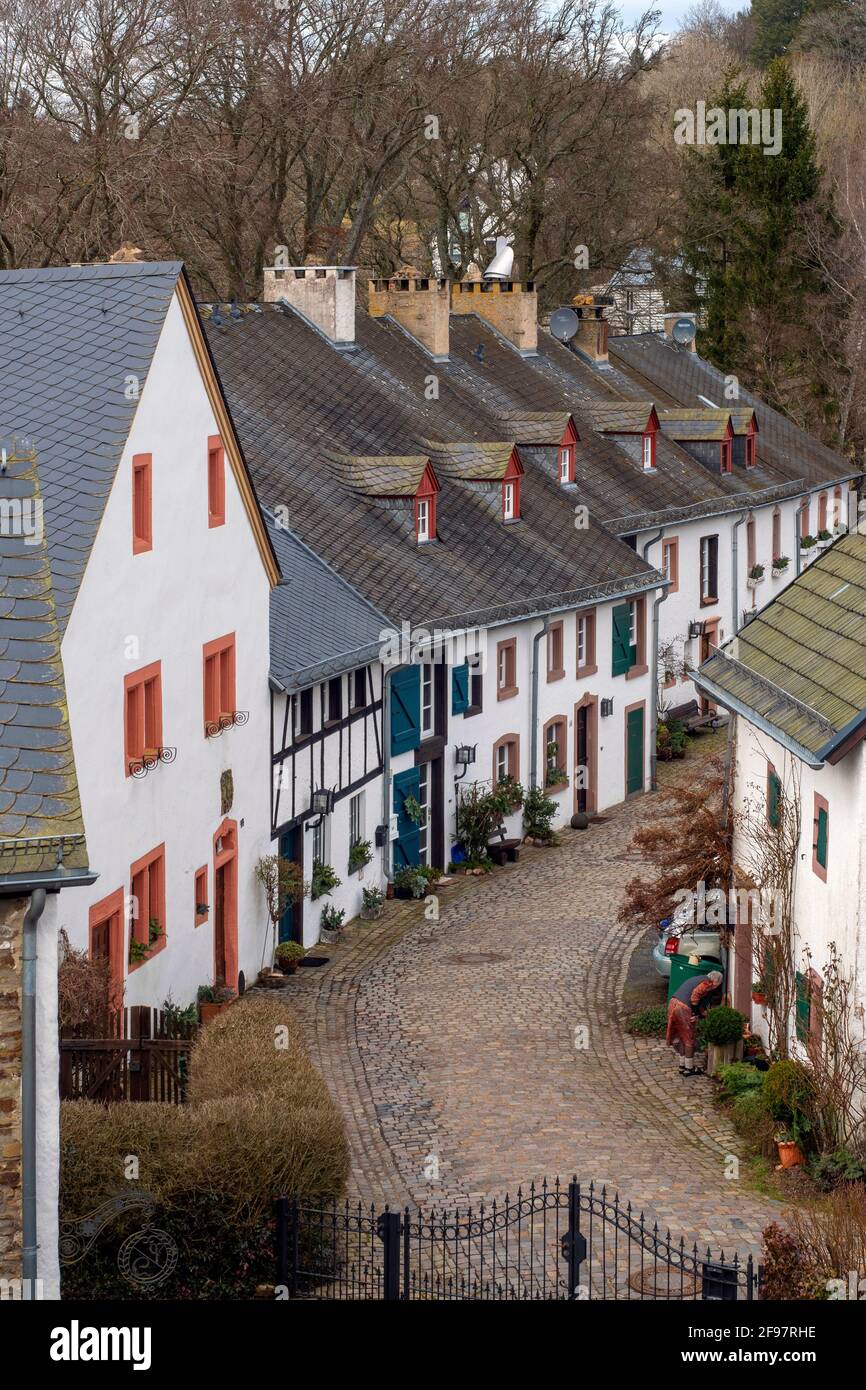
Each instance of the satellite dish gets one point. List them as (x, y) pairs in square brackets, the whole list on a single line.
[(564, 323), (501, 265), (684, 331)]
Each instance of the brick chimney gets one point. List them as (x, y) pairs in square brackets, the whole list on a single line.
[(670, 320), (506, 305), (591, 335), (322, 294), (420, 305)]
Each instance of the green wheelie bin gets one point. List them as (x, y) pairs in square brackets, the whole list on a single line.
[(681, 970)]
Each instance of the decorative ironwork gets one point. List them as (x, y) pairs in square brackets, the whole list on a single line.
[(556, 1241), (151, 758), (214, 727)]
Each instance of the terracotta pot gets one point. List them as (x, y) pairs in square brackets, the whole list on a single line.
[(790, 1154), (289, 967), (758, 998), (209, 1011)]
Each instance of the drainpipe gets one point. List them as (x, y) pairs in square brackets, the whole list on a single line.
[(533, 713), (28, 1089), (735, 576), (804, 503), (654, 667), (386, 770)]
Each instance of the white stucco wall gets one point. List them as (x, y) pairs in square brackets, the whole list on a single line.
[(196, 584)]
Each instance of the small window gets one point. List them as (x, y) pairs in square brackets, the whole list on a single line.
[(304, 713), (147, 914), (820, 836), (142, 504), (751, 545), (506, 669), (566, 463), (750, 450), (709, 561), (201, 903), (671, 563), (632, 623), (425, 518), (555, 753), (356, 819), (220, 704), (428, 687), (804, 518), (649, 450), (476, 686), (216, 482), (586, 643), (774, 797), (142, 714), (727, 456), (506, 758), (822, 512), (359, 688), (555, 659), (777, 534), (837, 506), (510, 502), (335, 700)]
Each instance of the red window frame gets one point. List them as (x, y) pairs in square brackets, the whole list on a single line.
[(777, 534), (511, 744), (147, 886), (671, 554), (508, 650), (219, 689), (556, 652), (648, 434), (429, 498), (750, 447), (142, 713), (566, 456), (822, 512), (200, 891), (589, 666), (805, 517), (726, 456), (216, 481), (515, 512), (821, 804), (142, 503)]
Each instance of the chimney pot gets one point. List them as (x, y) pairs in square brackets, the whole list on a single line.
[(322, 294), (421, 306)]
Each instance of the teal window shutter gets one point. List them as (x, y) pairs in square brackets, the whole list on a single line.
[(774, 800), (803, 1008), (821, 845), (405, 709), (406, 848), (460, 689), (622, 650)]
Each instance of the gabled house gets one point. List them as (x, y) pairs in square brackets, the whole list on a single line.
[(162, 571), (795, 678)]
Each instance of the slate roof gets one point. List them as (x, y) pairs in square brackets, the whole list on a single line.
[(296, 402), (709, 425), (72, 338), (385, 476), (319, 624), (471, 460), (620, 417), (40, 810), (800, 665), (535, 426)]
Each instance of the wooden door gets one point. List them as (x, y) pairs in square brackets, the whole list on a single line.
[(634, 750), (581, 751), (219, 926)]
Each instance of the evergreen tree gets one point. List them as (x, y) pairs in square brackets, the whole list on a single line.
[(776, 22)]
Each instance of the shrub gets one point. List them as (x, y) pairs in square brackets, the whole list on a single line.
[(738, 1078), (831, 1170), (324, 880), (287, 951), (789, 1094), (753, 1121), (788, 1272), (648, 1023), (332, 917), (539, 812), (723, 1025), (479, 814), (834, 1234), (360, 855), (260, 1122), (372, 898)]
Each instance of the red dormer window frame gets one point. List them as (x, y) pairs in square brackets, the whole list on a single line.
[(511, 478), (726, 451), (751, 444), (216, 481), (567, 454), (426, 494), (650, 430)]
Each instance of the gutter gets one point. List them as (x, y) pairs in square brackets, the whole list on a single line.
[(654, 668), (28, 1090), (533, 712), (735, 583), (721, 697)]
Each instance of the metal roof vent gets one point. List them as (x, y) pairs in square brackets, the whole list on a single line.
[(503, 262)]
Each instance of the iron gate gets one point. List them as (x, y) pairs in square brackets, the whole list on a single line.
[(556, 1241)]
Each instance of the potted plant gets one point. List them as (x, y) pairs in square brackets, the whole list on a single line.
[(756, 574), (415, 880), (538, 813), (722, 1031), (282, 882), (331, 923), (790, 1153), (287, 955), (138, 951), (780, 564), (360, 855), (324, 880), (509, 795), (154, 931), (825, 537), (414, 811), (212, 999), (807, 542), (759, 992), (372, 904)]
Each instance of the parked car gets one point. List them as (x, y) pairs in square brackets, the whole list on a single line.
[(680, 936)]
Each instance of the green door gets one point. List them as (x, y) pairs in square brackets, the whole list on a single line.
[(406, 848), (634, 751)]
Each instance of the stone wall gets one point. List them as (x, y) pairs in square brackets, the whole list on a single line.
[(12, 912)]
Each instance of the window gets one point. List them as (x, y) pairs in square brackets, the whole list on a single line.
[(425, 518), (359, 688), (555, 658), (837, 506), (804, 518), (586, 643), (709, 569), (427, 700), (777, 534), (219, 683), (424, 802), (636, 636), (671, 563), (750, 449), (356, 819), (622, 650), (506, 669), (142, 504), (506, 758), (335, 700), (304, 713), (774, 797), (476, 686), (320, 841), (649, 450), (201, 903), (822, 512), (566, 463), (511, 499), (803, 1007), (820, 836), (727, 456), (216, 482), (751, 549), (142, 694), (555, 753), (147, 885)]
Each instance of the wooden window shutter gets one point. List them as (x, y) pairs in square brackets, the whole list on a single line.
[(460, 688), (405, 709), (713, 558), (803, 1008), (622, 651), (821, 841), (774, 799)]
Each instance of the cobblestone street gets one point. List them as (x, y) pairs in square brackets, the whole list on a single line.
[(461, 1040)]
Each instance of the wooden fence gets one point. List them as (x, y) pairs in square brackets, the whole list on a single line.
[(143, 1054)]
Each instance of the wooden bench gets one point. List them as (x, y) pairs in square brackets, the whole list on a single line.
[(503, 851)]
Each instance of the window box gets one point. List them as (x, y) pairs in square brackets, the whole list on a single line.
[(780, 566)]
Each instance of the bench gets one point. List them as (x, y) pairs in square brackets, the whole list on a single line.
[(503, 851)]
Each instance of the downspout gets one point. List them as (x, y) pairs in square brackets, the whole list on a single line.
[(386, 770), (28, 1090), (735, 574), (804, 503), (654, 667), (533, 713)]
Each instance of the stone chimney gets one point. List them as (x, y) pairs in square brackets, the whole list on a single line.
[(420, 305), (322, 294), (670, 320), (506, 305), (591, 335)]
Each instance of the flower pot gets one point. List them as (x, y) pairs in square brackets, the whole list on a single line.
[(288, 967), (777, 573), (790, 1154), (328, 935), (209, 1011), (371, 914), (753, 583), (721, 1055), (758, 997)]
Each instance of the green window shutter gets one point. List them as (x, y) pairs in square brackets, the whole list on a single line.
[(622, 649), (821, 843), (774, 800), (406, 848), (460, 689), (803, 1008), (769, 979), (405, 709)]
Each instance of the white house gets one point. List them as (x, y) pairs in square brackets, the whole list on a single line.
[(162, 572), (795, 677)]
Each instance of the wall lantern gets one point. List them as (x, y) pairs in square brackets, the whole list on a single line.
[(321, 805), (606, 708), (697, 629), (464, 756)]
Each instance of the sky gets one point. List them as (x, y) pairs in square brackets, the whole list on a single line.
[(672, 10)]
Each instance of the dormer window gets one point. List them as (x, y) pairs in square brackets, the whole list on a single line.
[(566, 463), (750, 450), (511, 499), (424, 518), (649, 450), (727, 456)]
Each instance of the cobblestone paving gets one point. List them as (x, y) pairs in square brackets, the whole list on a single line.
[(457, 1039)]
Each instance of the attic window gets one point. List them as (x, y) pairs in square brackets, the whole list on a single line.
[(511, 499), (425, 518), (727, 456), (566, 463), (649, 450), (750, 450)]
